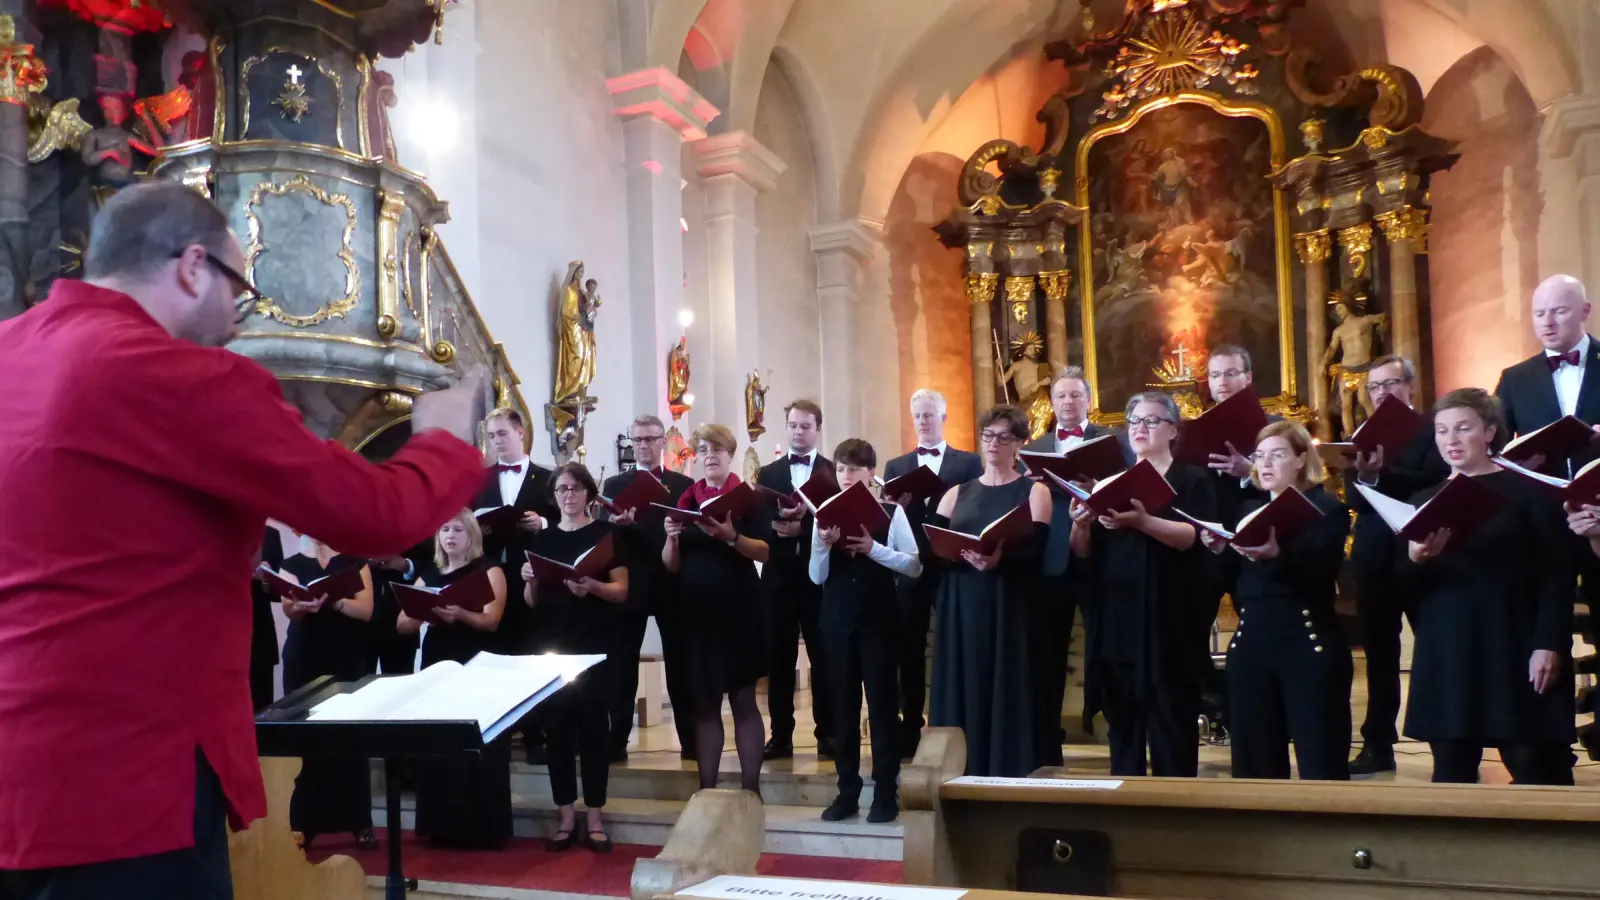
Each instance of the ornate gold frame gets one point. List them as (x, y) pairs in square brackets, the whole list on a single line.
[(1283, 243), (327, 72), (336, 309)]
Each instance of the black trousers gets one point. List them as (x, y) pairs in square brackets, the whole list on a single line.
[(1456, 762), (200, 872), (856, 660), (916, 615), (576, 728), (624, 665), (1287, 689), (1055, 605), (792, 614), (1165, 721), (262, 686), (1378, 615), (672, 659)]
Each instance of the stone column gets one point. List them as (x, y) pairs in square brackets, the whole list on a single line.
[(981, 287), (1405, 229), (1314, 248), (659, 113), (734, 168), (842, 249), (1055, 286), (1572, 129)]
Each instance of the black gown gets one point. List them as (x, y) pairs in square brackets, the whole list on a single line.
[(463, 802), (331, 795), (720, 617), (1289, 676), (1483, 606), (1148, 613), (984, 675)]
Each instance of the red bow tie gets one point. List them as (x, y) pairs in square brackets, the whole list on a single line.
[(1064, 433), (797, 459), (507, 467), (1571, 358), (927, 451), (658, 471)]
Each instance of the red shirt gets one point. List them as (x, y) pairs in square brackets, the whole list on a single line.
[(137, 471)]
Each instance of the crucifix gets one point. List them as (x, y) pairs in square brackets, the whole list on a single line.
[(294, 74), (1179, 351)]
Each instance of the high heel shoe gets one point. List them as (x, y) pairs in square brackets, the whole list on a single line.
[(365, 839)]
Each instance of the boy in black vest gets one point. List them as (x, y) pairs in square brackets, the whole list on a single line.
[(860, 625)]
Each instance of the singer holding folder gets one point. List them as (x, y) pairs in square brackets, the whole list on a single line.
[(1289, 676), (462, 803), (1148, 610), (1492, 663), (984, 675)]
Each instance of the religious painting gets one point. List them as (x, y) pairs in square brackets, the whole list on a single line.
[(1184, 249)]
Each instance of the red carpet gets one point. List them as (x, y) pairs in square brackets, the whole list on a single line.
[(526, 864)]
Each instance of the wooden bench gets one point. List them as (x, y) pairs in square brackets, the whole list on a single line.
[(1220, 838)]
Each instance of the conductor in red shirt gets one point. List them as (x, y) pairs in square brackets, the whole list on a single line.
[(138, 462)]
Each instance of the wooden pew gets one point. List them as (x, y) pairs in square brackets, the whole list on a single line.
[(720, 832), (1254, 840), (267, 863), (784, 888)]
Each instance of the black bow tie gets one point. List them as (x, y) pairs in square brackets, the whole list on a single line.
[(1571, 358), (927, 451), (508, 467), (799, 459)]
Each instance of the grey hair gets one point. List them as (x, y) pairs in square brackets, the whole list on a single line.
[(646, 420), (1161, 398), (1231, 350), (1074, 372), (1407, 370), (930, 394), (143, 226)]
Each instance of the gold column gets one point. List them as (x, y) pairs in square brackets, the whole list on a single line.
[(1405, 230), (1314, 248), (981, 288), (390, 205), (1055, 286)]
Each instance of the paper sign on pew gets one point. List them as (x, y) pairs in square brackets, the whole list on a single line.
[(744, 887), (1074, 784)]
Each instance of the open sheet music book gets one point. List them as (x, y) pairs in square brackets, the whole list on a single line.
[(1287, 515), (1462, 505), (485, 690)]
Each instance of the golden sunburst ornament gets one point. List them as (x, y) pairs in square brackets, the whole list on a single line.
[(1176, 51)]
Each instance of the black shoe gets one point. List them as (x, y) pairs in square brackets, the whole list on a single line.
[(883, 811), (825, 749), (365, 839), (687, 754), (776, 749), (1369, 763), (619, 755), (559, 843), (840, 809)]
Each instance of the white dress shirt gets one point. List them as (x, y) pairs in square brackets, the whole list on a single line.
[(511, 482), (899, 556), (800, 473), (1569, 378), (930, 460), (1063, 446)]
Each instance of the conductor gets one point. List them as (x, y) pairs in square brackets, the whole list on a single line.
[(125, 636)]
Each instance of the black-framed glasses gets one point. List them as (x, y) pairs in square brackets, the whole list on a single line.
[(1387, 385), (1148, 421), (1002, 438), (247, 296), (1227, 373)]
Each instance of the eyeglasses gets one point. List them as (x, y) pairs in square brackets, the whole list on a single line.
[(1230, 373), (649, 439), (569, 489), (1004, 439), (1386, 385), (247, 297), (1148, 421), (1276, 457)]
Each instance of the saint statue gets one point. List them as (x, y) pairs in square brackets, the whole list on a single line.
[(678, 376), (755, 406), (1351, 342), (1030, 377), (580, 304)]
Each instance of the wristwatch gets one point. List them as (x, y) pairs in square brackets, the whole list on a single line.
[(733, 541)]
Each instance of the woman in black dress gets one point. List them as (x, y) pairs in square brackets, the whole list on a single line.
[(983, 671), (462, 802), (328, 638), (1148, 609), (1492, 664), (719, 615), (1289, 679), (577, 617)]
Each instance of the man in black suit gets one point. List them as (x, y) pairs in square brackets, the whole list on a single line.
[(650, 591), (916, 595), (1379, 600), (1228, 371), (792, 599), (1057, 604)]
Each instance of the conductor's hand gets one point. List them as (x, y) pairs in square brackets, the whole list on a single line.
[(860, 544), (449, 613), (786, 528), (393, 563), (1431, 547), (531, 521), (1213, 543), (1233, 462), (1542, 668), (1134, 518), (1266, 551), (979, 561), (1369, 465), (827, 536), (723, 530), (527, 572), (672, 528), (456, 409), (626, 518)]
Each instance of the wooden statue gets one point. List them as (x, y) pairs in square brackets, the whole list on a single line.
[(575, 355), (678, 377), (1351, 342), (1030, 378)]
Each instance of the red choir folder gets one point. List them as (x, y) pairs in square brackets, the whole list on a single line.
[(1236, 420), (735, 502), (1583, 488), (1117, 493), (592, 563), (676, 514), (340, 585), (472, 593), (1556, 441), (1289, 514), (851, 510), (822, 486), (921, 483), (1091, 460), (785, 501), (1391, 426), (1461, 506), (948, 544), (497, 518), (643, 490)]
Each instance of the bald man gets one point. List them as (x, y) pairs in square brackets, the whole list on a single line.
[(1561, 380)]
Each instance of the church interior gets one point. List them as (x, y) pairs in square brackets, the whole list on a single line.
[(704, 210)]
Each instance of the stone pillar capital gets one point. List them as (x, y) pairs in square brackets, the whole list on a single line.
[(849, 237), (1568, 120), (663, 96), (739, 153)]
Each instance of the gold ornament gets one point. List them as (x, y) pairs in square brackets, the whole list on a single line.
[(1404, 224), (1313, 246), (1175, 51), (293, 102), (1356, 241), (981, 286)]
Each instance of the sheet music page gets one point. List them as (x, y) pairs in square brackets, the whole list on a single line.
[(381, 697)]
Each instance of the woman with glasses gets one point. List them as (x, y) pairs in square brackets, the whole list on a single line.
[(1148, 612), (719, 615), (1492, 663), (983, 672), (462, 803), (577, 617), (1289, 676)]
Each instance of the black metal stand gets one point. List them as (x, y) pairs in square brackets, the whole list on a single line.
[(396, 884)]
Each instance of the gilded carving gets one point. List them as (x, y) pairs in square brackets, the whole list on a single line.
[(1314, 246), (1356, 242), (1176, 52), (981, 286), (1405, 224), (390, 205), (328, 72), (1312, 134), (575, 355), (201, 179), (1055, 284), (334, 309), (62, 129), (22, 74), (1019, 293)]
